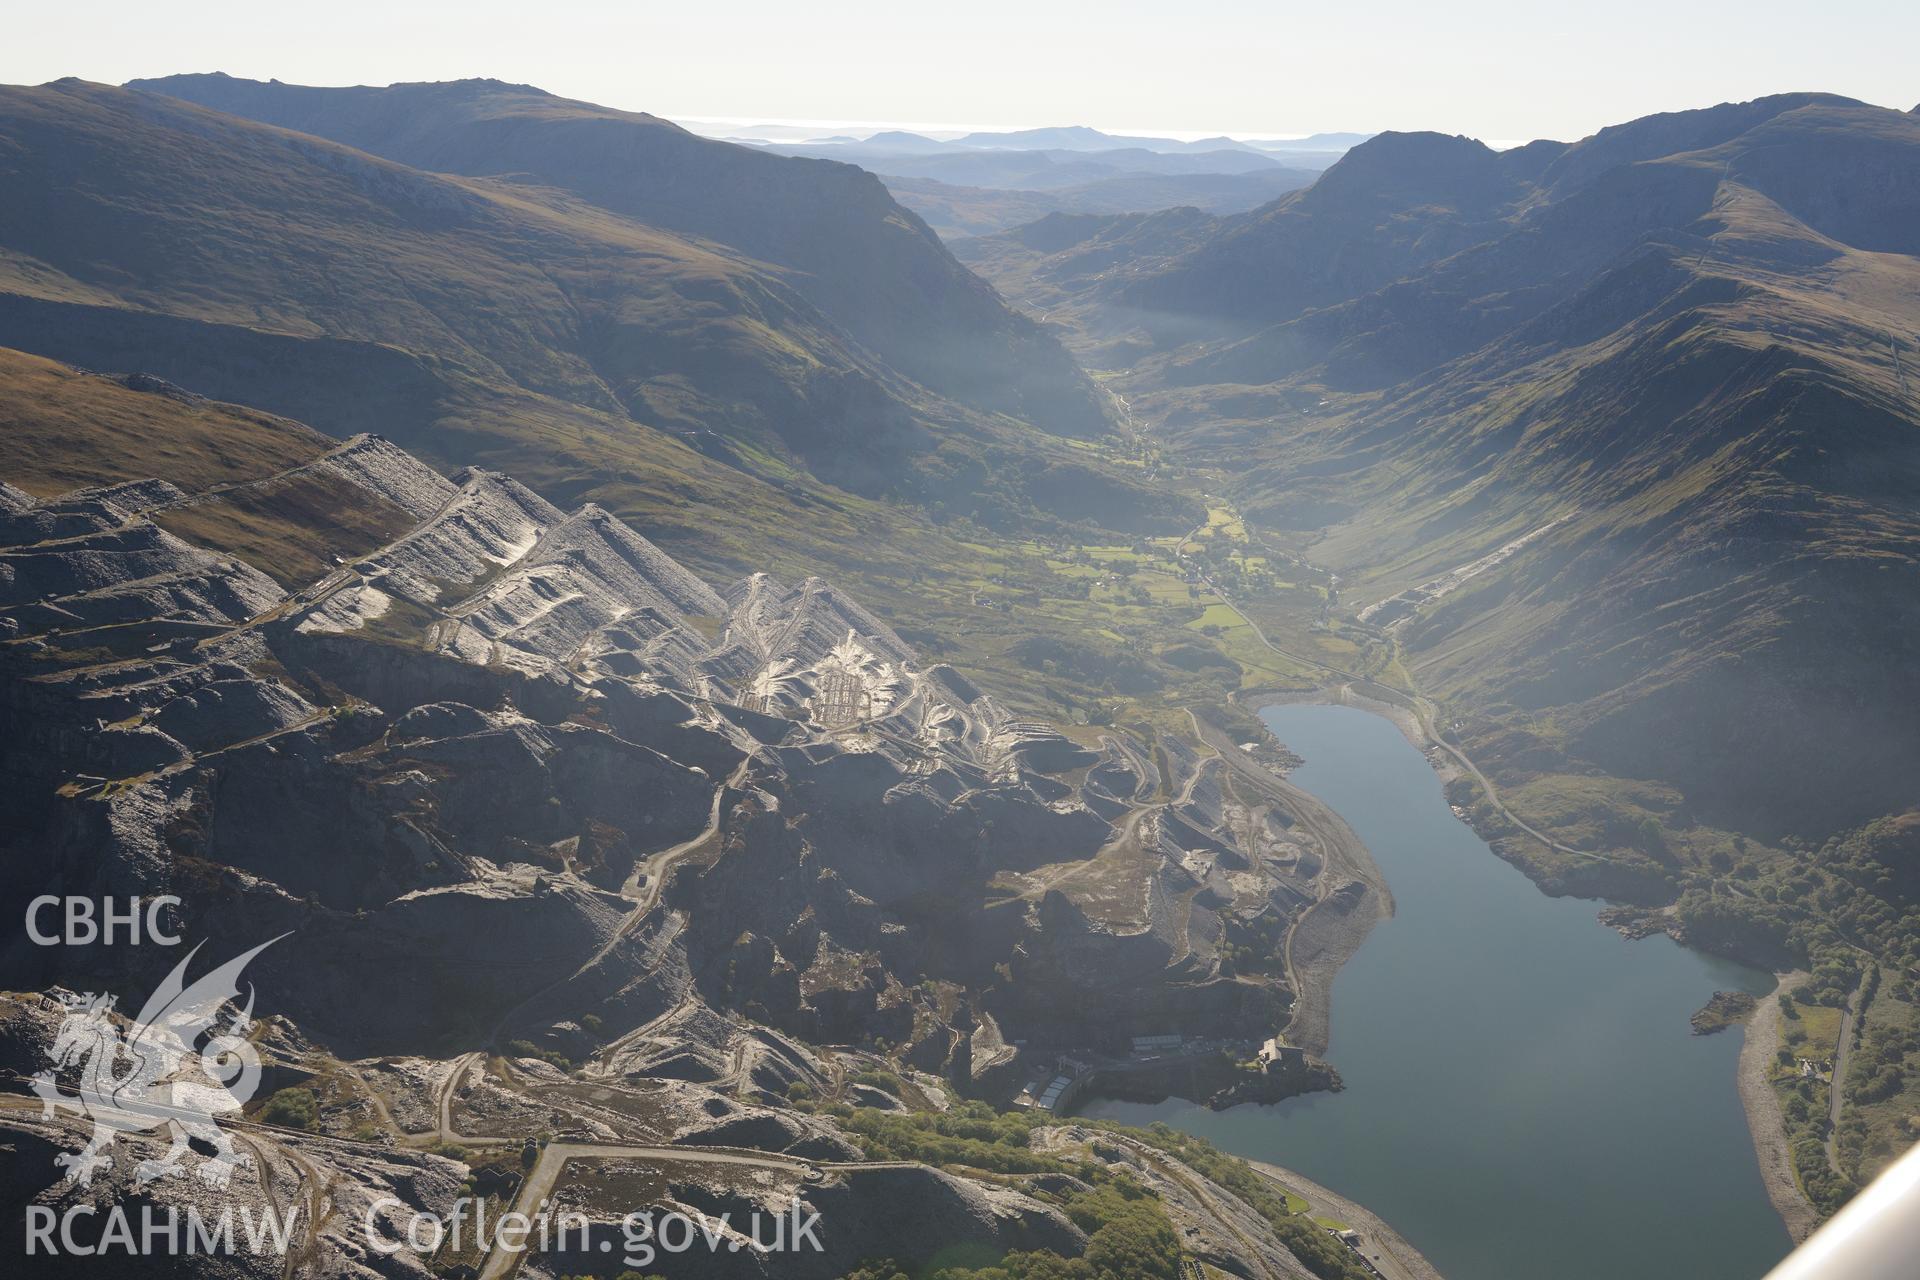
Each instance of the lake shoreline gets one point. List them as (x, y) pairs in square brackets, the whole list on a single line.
[(1377, 1231), (1344, 695), (1764, 1121), (1332, 930), (1323, 940), (1760, 1034)]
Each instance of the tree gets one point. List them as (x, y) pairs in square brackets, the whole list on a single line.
[(292, 1108)]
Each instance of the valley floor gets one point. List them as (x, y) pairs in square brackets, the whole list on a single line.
[(1328, 950)]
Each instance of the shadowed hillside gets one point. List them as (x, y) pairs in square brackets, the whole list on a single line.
[(491, 319), (873, 268), (1680, 353)]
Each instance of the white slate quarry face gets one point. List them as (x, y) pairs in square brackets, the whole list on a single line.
[(123, 571), (516, 728), (384, 469)]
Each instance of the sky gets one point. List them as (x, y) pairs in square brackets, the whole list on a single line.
[(1496, 71)]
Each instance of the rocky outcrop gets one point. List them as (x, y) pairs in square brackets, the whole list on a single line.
[(524, 756)]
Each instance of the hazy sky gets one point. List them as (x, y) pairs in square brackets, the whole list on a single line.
[(1493, 70)]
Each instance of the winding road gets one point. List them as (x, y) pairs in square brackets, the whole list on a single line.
[(642, 888), (1837, 1088), (1421, 706)]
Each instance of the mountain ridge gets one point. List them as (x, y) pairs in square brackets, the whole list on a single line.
[(1674, 345), (868, 264), (478, 318)]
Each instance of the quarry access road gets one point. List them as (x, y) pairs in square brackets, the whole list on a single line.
[(645, 897)]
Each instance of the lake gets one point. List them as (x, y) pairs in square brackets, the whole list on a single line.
[(1524, 1099)]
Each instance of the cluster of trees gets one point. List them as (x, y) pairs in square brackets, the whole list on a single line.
[(293, 1108), (1122, 1218), (1827, 1190), (1822, 907), (1128, 1238), (1317, 1251), (1869, 988), (1110, 669), (1878, 1070), (971, 1135), (552, 1057), (1241, 579), (1254, 951)]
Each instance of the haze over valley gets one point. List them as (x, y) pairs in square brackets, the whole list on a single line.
[(928, 676)]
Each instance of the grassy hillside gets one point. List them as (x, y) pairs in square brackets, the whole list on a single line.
[(496, 322), (65, 429), (1613, 447), (871, 267), (1083, 626)]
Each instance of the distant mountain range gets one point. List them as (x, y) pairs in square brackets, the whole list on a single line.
[(957, 212), (1082, 138), (985, 182), (1057, 138)]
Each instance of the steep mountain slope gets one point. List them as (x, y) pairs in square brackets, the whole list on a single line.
[(874, 269), (494, 719), (143, 206), (1686, 375), (1737, 400), (1730, 603), (1401, 201), (669, 378), (562, 851), (1395, 203)]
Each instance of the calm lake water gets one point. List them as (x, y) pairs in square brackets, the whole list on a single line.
[(1524, 1100)]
